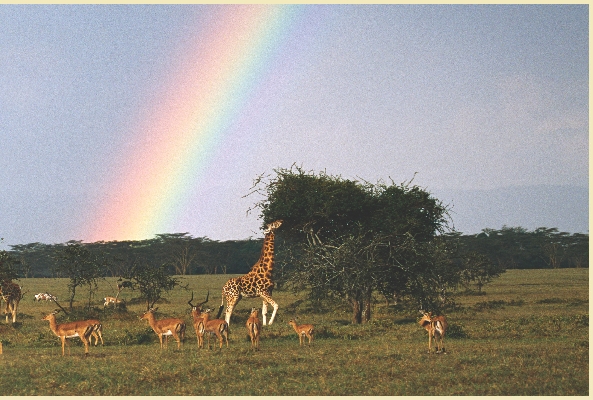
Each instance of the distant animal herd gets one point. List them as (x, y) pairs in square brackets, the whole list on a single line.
[(256, 283)]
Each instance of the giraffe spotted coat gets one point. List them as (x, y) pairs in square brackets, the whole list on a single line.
[(256, 283)]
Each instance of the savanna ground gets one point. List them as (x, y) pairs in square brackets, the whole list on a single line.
[(528, 335)]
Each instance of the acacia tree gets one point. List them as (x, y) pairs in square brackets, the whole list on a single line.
[(151, 280), (82, 266), (349, 238)]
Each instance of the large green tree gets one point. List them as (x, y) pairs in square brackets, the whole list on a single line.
[(348, 238)]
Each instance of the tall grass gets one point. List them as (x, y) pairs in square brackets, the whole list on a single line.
[(528, 335)]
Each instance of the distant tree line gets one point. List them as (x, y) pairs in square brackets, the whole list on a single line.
[(519, 248), (178, 254), (182, 254)]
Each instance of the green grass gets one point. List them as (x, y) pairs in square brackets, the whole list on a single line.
[(528, 335)]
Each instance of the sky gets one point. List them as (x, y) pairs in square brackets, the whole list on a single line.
[(120, 122)]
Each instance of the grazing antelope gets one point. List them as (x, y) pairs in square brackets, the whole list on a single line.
[(302, 331), (111, 300), (196, 313), (219, 327), (253, 325), (45, 296), (436, 328), (166, 327), (81, 329)]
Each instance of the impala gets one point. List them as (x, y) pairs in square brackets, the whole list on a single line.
[(97, 331), (302, 331), (196, 313), (219, 327), (81, 329), (165, 327), (436, 328), (109, 300), (253, 325)]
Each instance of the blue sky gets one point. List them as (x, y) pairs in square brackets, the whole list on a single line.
[(473, 99)]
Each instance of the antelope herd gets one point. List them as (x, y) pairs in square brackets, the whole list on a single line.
[(436, 327)]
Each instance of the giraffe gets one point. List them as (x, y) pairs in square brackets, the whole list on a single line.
[(256, 283), (11, 293)]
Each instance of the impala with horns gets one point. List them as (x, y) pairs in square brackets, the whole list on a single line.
[(165, 327), (81, 329), (196, 313)]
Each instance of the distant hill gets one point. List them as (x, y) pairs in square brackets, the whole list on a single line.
[(530, 207)]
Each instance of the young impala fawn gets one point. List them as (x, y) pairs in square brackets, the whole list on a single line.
[(253, 325), (196, 313), (436, 328), (219, 327), (302, 331), (81, 329), (166, 327)]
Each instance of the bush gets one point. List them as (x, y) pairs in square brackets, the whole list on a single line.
[(456, 331)]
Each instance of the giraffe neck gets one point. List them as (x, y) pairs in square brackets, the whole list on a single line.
[(266, 259)]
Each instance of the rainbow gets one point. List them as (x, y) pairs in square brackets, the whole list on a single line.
[(199, 101)]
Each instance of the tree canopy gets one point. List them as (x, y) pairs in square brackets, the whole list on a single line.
[(347, 239)]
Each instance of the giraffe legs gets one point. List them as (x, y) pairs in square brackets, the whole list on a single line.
[(230, 306), (13, 311), (9, 311), (275, 305), (264, 309)]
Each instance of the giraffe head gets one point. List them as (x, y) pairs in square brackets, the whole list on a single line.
[(271, 227)]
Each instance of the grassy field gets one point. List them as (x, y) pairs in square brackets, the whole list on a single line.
[(528, 335)]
